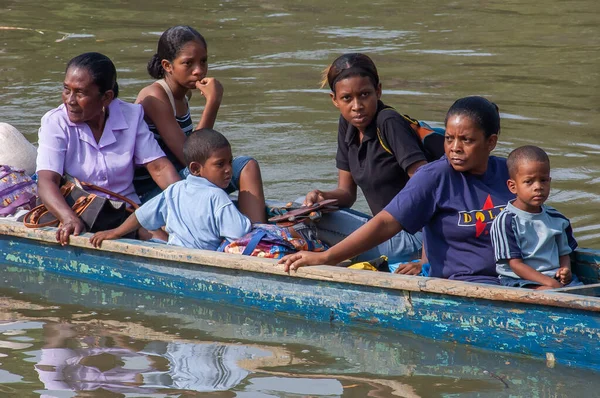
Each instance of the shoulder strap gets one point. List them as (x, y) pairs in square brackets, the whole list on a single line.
[(167, 89), (258, 235), (380, 136), (423, 130), (108, 192)]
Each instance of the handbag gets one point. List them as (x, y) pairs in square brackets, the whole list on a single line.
[(290, 214), (97, 212)]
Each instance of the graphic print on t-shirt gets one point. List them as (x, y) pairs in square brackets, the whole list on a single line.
[(480, 218)]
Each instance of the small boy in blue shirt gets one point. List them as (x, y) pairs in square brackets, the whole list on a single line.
[(196, 212), (532, 241)]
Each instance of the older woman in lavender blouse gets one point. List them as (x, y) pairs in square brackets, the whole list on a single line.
[(94, 137)]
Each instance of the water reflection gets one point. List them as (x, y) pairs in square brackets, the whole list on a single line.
[(76, 357), (103, 339)]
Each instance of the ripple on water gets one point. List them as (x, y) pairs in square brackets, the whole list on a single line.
[(255, 65), (588, 145), (461, 53), (71, 36), (298, 90), (573, 195), (570, 174), (515, 117), (365, 32), (408, 92), (327, 54)]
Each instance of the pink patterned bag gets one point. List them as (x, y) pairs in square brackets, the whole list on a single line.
[(17, 190)]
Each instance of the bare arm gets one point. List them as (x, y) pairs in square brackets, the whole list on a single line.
[(49, 192), (129, 225), (158, 109), (526, 272), (212, 90), (345, 192), (377, 230), (412, 169), (162, 172)]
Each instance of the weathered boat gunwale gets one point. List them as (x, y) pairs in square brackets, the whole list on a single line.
[(321, 273)]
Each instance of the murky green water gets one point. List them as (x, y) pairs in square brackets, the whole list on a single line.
[(538, 61)]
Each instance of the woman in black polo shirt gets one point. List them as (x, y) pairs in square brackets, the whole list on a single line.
[(363, 161)]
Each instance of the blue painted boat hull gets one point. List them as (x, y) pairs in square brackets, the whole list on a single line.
[(559, 326)]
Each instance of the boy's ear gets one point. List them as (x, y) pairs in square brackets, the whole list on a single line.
[(195, 169), (378, 91), (512, 186)]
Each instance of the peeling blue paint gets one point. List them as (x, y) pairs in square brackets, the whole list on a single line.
[(572, 335)]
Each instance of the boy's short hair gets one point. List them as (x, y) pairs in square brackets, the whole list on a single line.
[(526, 153), (201, 144)]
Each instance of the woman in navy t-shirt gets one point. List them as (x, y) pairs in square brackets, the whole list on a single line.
[(453, 199)]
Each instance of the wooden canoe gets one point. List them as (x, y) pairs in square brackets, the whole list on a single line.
[(560, 326)]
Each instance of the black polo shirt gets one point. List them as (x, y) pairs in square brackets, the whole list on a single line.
[(379, 174)]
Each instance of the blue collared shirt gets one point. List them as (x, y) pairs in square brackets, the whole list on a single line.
[(196, 213)]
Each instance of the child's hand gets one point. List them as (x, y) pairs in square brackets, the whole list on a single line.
[(410, 268), (211, 89), (564, 275), (294, 261), (98, 237)]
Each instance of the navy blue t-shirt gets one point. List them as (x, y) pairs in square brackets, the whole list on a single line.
[(455, 211)]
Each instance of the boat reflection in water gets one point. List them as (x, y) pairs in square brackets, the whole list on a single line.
[(110, 340)]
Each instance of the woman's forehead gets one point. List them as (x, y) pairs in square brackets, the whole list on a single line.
[(353, 82), (462, 123), (79, 76)]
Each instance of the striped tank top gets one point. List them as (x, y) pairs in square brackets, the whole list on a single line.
[(142, 180)]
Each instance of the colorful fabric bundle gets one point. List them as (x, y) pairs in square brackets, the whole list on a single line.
[(17, 190), (272, 241)]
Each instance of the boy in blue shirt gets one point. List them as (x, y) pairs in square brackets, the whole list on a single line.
[(532, 241), (196, 212)]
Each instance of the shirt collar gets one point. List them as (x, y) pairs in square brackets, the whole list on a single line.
[(115, 121), (370, 131), (522, 213), (201, 181)]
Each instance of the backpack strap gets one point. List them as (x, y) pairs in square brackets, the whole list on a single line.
[(380, 137), (254, 241), (433, 147)]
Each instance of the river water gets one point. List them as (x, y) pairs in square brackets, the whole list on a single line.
[(538, 61)]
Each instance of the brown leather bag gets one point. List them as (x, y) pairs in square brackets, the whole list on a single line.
[(97, 212)]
